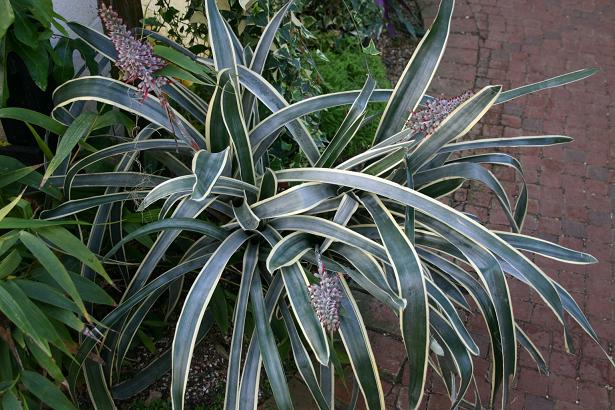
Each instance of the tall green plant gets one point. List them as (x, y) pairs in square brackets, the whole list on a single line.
[(375, 218), (42, 299), (26, 29)]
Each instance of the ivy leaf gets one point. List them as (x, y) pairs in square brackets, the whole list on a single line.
[(371, 49)]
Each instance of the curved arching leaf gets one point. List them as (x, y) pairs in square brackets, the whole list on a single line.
[(250, 257), (417, 75), (125, 97), (192, 313), (188, 224), (207, 167), (410, 278), (268, 346), (450, 217), (354, 336)]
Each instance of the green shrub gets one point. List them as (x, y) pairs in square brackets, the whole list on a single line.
[(346, 69), (42, 297)]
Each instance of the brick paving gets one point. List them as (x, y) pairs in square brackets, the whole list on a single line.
[(514, 42)]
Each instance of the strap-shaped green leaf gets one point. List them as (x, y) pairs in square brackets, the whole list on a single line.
[(299, 109), (97, 40), (546, 248), (33, 118), (6, 209), (192, 313), (509, 161), (293, 201), (219, 38), (368, 275), (468, 171), (71, 245), (533, 141), (11, 308), (321, 227), (174, 223), (250, 257), (79, 205), (494, 281), (450, 217), (268, 346), (175, 56), (186, 209), (302, 359), (546, 84), (266, 39), (269, 185), (349, 126), (125, 97), (257, 86), (373, 153), (250, 377), (216, 133), (39, 326), (245, 217), (42, 292), (355, 339), (296, 284), (446, 307), (289, 250), (531, 348), (414, 318), (207, 167), (235, 124), (257, 62), (484, 303), (119, 149), (463, 362), (183, 186), (10, 263), (344, 212)]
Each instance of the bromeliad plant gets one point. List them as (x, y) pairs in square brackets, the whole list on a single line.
[(376, 219)]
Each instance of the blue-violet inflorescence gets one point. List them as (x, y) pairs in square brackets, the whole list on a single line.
[(424, 122), (326, 296), (135, 58)]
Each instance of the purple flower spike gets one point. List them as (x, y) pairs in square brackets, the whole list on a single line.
[(326, 296), (426, 120), (135, 58)]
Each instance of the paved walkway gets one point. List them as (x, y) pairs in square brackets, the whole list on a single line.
[(513, 42)]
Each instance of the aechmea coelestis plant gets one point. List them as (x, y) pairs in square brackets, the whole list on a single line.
[(375, 218)]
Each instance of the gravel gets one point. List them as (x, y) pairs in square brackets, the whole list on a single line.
[(206, 380)]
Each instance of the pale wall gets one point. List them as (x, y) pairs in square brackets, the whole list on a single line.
[(81, 11)]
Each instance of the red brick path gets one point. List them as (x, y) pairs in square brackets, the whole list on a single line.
[(514, 42)]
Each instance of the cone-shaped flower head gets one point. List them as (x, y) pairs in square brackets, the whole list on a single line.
[(135, 58), (326, 296), (426, 120)]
